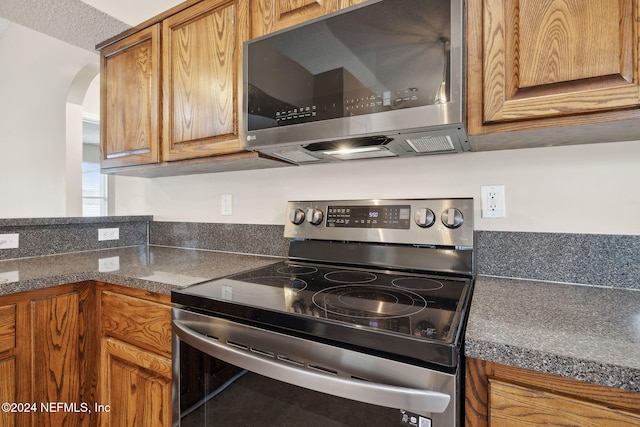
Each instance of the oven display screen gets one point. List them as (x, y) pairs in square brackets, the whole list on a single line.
[(391, 216)]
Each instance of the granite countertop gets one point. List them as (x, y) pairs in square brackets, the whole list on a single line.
[(583, 332), (31, 222), (153, 268)]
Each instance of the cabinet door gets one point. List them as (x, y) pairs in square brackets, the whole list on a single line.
[(130, 88), (551, 58), (7, 390), (8, 364), (144, 324), (512, 404), (62, 357), (136, 384), (500, 395), (202, 57), (268, 16)]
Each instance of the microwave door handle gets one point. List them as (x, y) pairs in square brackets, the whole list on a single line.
[(413, 400)]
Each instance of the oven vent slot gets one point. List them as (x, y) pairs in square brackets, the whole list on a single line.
[(263, 352), (238, 345), (323, 369), (290, 360)]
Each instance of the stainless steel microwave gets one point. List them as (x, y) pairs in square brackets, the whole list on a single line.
[(380, 79)]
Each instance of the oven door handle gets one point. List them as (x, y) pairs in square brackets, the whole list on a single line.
[(413, 400)]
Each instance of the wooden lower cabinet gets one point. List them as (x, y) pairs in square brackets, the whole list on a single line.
[(135, 358), (63, 357), (85, 354), (135, 384), (7, 361), (497, 395), (47, 356), (7, 389)]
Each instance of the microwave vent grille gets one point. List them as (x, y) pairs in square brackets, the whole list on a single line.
[(431, 144), (296, 156)]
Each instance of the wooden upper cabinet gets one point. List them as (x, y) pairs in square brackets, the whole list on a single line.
[(130, 86), (533, 59), (202, 60), (268, 16)]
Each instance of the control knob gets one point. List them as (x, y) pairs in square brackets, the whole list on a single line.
[(424, 217), (452, 218), (315, 216), (296, 216)]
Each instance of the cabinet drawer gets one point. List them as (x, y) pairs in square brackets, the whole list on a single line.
[(136, 321), (511, 404), (7, 327)]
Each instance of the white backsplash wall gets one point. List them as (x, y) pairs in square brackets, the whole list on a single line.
[(575, 189)]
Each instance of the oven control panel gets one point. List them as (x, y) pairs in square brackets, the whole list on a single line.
[(387, 216), (447, 222)]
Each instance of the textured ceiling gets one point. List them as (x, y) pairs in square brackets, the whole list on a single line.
[(133, 12), (71, 21)]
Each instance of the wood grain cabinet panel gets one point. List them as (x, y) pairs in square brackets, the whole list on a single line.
[(62, 358), (7, 390), (498, 395), (202, 60), (136, 385), (135, 358), (130, 88), (512, 404), (142, 323), (7, 327), (550, 59), (64, 348), (268, 16)]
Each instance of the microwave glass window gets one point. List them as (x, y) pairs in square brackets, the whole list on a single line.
[(373, 59)]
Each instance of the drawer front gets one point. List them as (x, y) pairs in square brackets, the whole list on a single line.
[(136, 321), (7, 327), (512, 404)]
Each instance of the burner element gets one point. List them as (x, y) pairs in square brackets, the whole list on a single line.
[(350, 276), (417, 283), (369, 302), (299, 270), (294, 284)]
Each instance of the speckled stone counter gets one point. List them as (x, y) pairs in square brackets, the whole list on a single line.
[(49, 236), (153, 268), (583, 332)]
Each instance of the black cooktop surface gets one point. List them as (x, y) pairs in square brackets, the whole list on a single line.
[(375, 308)]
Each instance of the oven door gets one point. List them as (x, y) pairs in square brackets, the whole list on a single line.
[(231, 374)]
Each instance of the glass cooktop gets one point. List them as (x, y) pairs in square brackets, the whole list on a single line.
[(356, 306)]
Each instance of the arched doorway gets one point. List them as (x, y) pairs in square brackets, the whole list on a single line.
[(82, 130)]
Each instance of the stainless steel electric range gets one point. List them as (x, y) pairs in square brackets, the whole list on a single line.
[(362, 325)]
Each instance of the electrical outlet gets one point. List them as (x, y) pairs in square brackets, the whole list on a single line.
[(108, 234), (493, 201), (106, 265), (226, 202), (9, 277), (9, 241)]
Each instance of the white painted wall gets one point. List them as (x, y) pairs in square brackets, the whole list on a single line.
[(36, 72), (578, 189)]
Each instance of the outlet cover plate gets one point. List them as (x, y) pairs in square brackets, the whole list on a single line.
[(108, 234), (9, 241), (493, 201)]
